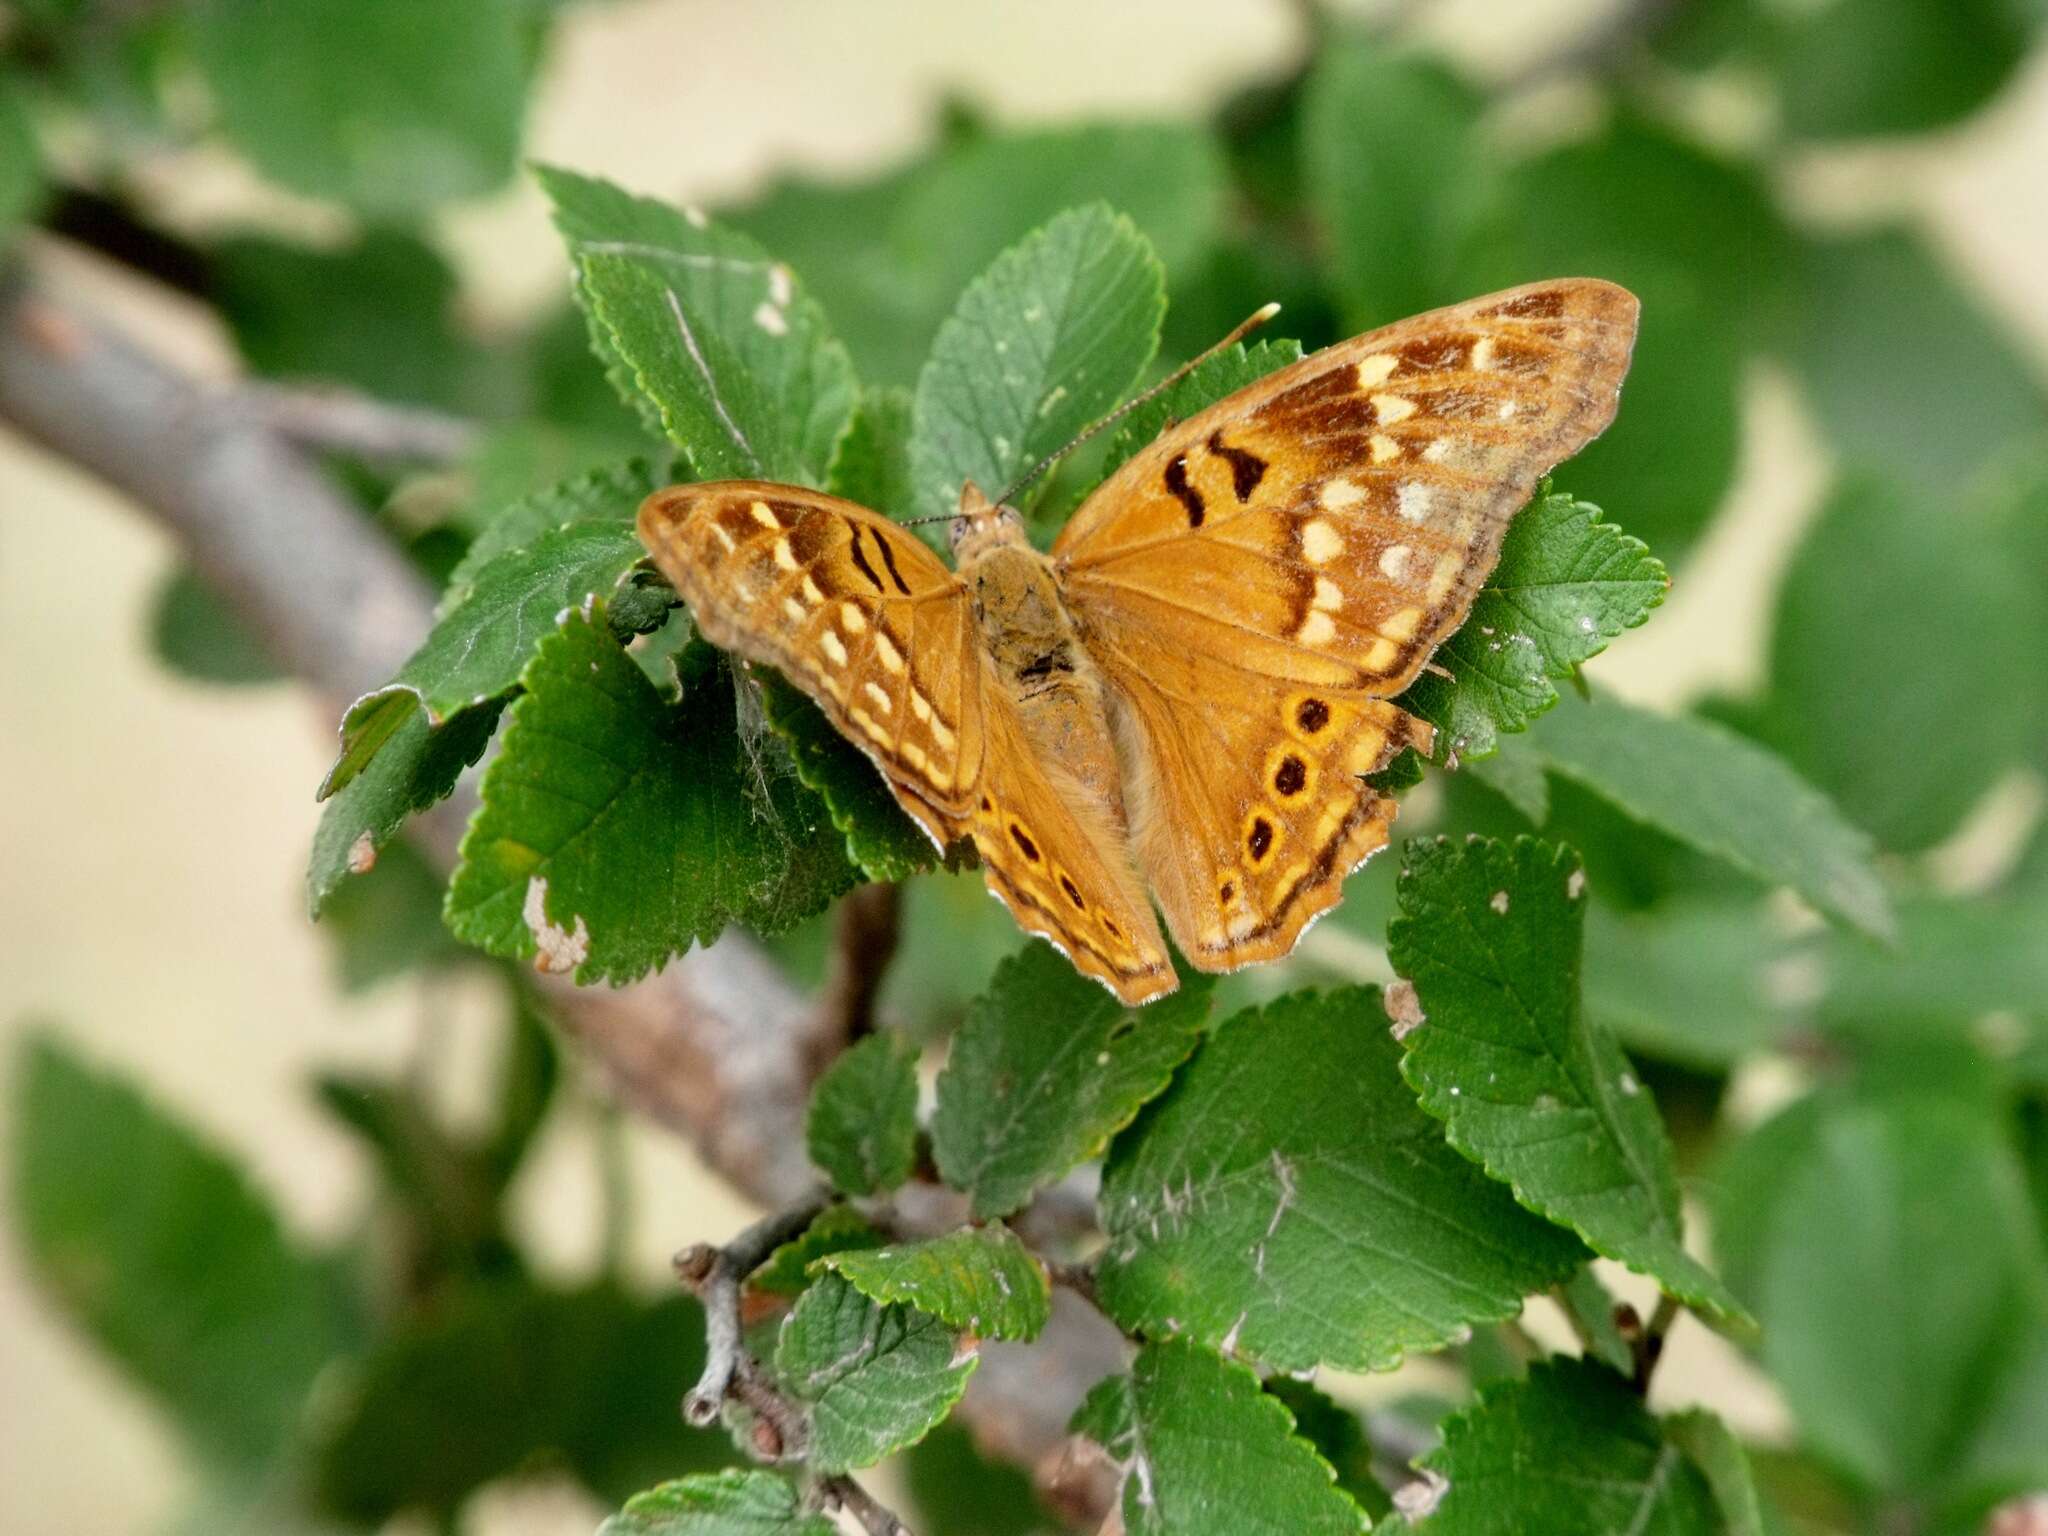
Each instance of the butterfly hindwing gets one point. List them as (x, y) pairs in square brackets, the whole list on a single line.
[(856, 612), (1052, 857), (1317, 535)]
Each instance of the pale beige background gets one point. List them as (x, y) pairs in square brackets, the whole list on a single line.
[(152, 833)]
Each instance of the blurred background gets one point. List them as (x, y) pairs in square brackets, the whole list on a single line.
[(1837, 215)]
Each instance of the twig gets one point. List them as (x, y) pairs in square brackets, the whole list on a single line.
[(110, 227), (336, 420), (715, 1274), (1078, 1278), (864, 935), (844, 1493), (1647, 1344)]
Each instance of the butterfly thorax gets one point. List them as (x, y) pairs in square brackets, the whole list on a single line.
[(1030, 638)]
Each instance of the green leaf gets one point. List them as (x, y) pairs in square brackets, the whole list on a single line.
[(617, 829), (1892, 66), (718, 1504), (1224, 374), (1718, 1457), (1701, 242), (875, 1379), (378, 314), (1393, 172), (1043, 343), (836, 1229), (881, 840), (609, 495), (1045, 1069), (980, 1279), (1724, 795), (1688, 981), (414, 767), (1566, 584), (1489, 934), (709, 335), (889, 256), (1842, 680), (872, 464), (1310, 1215), (159, 1248), (862, 1126), (1566, 1451), (474, 655), (1866, 301), (1206, 1453), (198, 636), (1339, 1438), (21, 172), (494, 1379), (391, 106), (1886, 1243), (1518, 778)]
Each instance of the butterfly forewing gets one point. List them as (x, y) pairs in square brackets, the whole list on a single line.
[(853, 610), (1317, 535)]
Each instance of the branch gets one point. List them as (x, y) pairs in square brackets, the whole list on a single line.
[(864, 935), (843, 1492), (337, 420), (716, 1274), (718, 1047)]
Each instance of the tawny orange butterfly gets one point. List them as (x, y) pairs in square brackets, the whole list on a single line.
[(1192, 689)]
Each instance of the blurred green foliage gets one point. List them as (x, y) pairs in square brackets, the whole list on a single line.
[(1885, 1227)]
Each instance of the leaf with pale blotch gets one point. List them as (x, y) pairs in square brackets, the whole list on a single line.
[(473, 656), (874, 1379), (1726, 796), (617, 829), (1204, 1452), (718, 1504), (979, 1279), (1310, 1216), (415, 767), (1565, 585), (1567, 1450), (836, 1229), (1045, 1069), (1489, 934), (880, 839), (708, 335), (862, 1126), (1043, 343)]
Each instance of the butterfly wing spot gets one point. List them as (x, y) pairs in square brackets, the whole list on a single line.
[(1376, 369), (1290, 777), (852, 618), (833, 647), (1024, 843), (1413, 505), (724, 538), (1311, 715), (1338, 494), (873, 728), (1258, 838), (882, 700), (892, 659), (1073, 893), (1482, 354), (1401, 625), (1317, 629), (796, 610), (1247, 469), (765, 516), (1320, 541), (921, 707), (1327, 595), (812, 593), (1384, 449), (1176, 479), (1388, 409), (1394, 562)]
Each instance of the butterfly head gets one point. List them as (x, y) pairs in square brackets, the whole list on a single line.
[(981, 526)]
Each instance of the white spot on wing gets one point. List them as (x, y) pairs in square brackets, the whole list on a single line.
[(1320, 542), (1414, 502)]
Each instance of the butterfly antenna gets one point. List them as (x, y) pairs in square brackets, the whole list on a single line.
[(1250, 323)]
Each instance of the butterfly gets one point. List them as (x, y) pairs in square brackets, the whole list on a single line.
[(1192, 690)]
